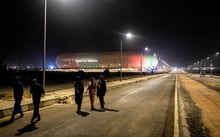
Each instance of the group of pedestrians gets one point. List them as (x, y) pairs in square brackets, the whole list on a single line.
[(94, 88), (37, 92)]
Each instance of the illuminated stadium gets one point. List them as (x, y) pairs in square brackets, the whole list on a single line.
[(131, 61)]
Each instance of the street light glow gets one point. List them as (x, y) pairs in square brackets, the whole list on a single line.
[(129, 35)]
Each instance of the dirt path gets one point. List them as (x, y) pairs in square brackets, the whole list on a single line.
[(208, 100)]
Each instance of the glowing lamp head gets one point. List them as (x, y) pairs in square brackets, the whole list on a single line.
[(128, 35)]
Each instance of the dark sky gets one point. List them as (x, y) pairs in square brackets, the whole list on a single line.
[(181, 32)]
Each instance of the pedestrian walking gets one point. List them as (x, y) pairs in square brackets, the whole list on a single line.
[(79, 89), (92, 90), (18, 93), (101, 91), (37, 92)]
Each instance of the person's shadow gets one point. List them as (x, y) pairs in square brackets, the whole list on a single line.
[(8, 122), (106, 109), (83, 113), (27, 128), (109, 109)]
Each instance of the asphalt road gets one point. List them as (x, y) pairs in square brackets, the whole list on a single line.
[(142, 109)]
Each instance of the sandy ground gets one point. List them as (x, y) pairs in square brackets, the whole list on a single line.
[(208, 102)]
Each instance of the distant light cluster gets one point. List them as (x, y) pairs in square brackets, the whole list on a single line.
[(131, 61)]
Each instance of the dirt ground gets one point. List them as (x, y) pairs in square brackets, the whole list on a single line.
[(202, 107), (9, 95), (6, 93)]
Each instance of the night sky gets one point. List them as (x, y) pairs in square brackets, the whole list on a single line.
[(180, 32)]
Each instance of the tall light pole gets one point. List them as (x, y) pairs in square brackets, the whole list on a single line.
[(128, 35), (211, 66), (145, 49), (45, 41), (121, 63), (216, 60), (206, 63), (141, 63)]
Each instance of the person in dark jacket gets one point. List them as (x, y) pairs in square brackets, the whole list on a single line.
[(37, 92), (79, 89), (18, 93), (101, 90)]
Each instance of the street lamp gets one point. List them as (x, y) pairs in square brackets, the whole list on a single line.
[(206, 62), (211, 66), (145, 49), (128, 35), (45, 41), (213, 63), (217, 59)]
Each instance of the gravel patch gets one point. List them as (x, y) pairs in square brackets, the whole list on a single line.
[(195, 125)]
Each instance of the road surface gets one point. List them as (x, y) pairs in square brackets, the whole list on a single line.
[(142, 109)]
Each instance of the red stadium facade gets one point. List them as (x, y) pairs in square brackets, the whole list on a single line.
[(103, 60)]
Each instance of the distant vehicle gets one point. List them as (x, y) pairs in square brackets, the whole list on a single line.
[(202, 73)]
